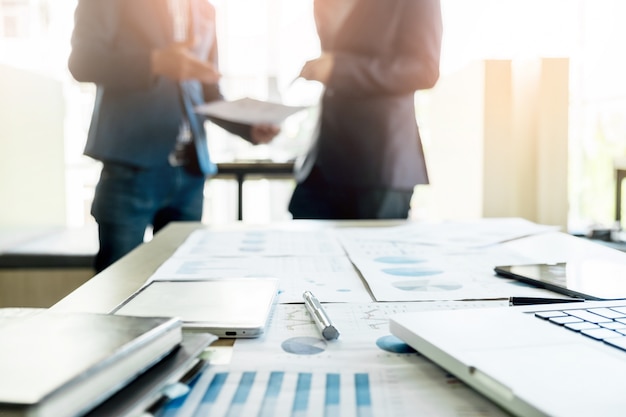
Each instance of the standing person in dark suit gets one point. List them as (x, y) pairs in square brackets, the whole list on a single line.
[(152, 61), (367, 156)]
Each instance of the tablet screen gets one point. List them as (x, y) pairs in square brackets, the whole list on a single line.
[(590, 279), (227, 307)]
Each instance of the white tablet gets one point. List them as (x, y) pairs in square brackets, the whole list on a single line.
[(226, 307)]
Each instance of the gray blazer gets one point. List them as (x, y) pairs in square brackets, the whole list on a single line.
[(384, 52), (136, 115)]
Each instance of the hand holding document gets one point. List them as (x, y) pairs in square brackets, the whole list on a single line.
[(249, 111)]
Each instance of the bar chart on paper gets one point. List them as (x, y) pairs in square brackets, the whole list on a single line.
[(272, 393), (223, 392)]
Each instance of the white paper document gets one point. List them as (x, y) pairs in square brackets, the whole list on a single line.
[(259, 242), (248, 110), (412, 262), (440, 261), (333, 278), (292, 339), (366, 372), (410, 273), (477, 233), (291, 370), (304, 260), (423, 390)]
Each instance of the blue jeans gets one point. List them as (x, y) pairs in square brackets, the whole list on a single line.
[(128, 200)]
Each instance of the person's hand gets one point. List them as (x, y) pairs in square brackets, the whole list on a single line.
[(179, 63), (319, 69), (263, 133)]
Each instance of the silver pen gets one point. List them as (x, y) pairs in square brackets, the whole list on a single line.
[(321, 319)]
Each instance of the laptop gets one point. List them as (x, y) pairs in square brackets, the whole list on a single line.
[(226, 307), (550, 360)]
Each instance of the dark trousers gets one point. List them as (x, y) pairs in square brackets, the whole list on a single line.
[(128, 200), (317, 198)]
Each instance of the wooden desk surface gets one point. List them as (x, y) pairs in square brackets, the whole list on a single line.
[(106, 290), (111, 287)]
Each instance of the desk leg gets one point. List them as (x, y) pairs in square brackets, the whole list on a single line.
[(240, 178), (620, 175)]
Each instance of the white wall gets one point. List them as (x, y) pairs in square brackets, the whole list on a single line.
[(32, 162), (499, 141)]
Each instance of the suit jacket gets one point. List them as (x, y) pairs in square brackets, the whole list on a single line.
[(384, 52), (137, 115)]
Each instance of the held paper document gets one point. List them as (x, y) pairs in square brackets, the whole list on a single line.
[(248, 110)]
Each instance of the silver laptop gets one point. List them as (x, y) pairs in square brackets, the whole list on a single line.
[(226, 307), (551, 360)]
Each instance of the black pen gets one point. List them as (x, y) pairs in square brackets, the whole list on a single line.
[(526, 301)]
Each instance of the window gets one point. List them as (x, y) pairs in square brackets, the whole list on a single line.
[(15, 18)]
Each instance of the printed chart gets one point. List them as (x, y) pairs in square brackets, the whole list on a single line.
[(413, 263), (293, 340), (302, 261), (223, 392)]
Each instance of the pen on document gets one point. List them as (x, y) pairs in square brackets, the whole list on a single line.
[(525, 301), (319, 316)]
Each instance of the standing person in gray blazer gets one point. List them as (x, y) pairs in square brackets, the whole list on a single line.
[(367, 155), (152, 62)]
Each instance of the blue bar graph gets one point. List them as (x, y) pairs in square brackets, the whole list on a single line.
[(241, 395), (363, 398), (211, 394), (301, 400), (332, 398), (264, 394), (268, 406)]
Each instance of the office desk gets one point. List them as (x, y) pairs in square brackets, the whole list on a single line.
[(106, 290), (241, 170), (111, 287)]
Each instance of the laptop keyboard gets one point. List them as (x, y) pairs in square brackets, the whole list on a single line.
[(604, 324)]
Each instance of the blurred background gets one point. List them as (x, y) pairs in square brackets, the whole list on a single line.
[(527, 119)]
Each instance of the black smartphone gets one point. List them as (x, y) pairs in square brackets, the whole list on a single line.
[(588, 279)]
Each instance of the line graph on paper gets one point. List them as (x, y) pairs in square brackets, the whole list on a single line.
[(292, 337)]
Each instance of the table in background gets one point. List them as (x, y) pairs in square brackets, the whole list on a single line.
[(41, 265), (241, 170)]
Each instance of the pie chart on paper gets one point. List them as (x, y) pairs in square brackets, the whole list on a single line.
[(427, 285), (304, 345), (398, 260), (411, 271), (393, 344)]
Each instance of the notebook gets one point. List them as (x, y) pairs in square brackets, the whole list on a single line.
[(531, 360), (64, 364), (226, 307), (148, 390)]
